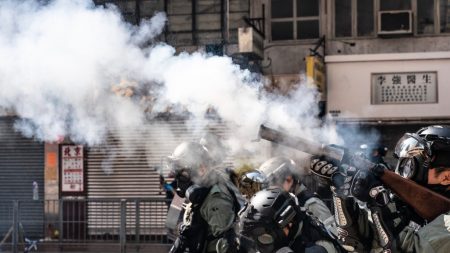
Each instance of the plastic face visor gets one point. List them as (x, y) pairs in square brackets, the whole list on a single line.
[(412, 152), (252, 177), (410, 143), (173, 168)]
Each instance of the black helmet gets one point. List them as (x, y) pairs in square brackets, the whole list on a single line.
[(185, 162), (277, 169), (266, 216), (417, 152), (431, 133), (438, 137)]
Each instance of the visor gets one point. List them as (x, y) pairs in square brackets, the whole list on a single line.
[(408, 143), (251, 183), (406, 168), (414, 154), (171, 166), (253, 177)]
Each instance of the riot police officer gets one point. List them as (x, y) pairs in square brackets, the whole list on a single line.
[(283, 172), (274, 222), (423, 157), (209, 219)]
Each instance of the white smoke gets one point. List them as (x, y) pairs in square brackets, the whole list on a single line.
[(65, 62)]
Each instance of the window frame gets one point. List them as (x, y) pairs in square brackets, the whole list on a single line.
[(294, 19), (354, 18)]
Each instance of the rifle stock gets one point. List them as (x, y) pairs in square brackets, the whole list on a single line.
[(425, 202)]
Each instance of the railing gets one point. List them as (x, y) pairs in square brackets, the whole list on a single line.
[(127, 225)]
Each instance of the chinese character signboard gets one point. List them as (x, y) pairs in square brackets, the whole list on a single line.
[(315, 73), (404, 88), (72, 168)]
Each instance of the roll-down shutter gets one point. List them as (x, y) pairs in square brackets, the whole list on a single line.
[(21, 163), (127, 166)]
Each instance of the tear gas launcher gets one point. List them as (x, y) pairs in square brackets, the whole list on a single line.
[(425, 202)]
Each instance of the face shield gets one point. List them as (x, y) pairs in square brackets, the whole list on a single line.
[(414, 155), (251, 183), (182, 175)]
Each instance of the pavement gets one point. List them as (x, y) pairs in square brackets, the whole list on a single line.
[(95, 248)]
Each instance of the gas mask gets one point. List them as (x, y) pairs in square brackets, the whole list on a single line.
[(182, 176), (267, 239), (270, 241), (414, 156), (184, 181)]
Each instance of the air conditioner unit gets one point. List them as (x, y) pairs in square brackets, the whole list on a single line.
[(250, 42), (394, 22)]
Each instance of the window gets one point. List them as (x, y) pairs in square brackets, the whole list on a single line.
[(362, 11), (365, 17), (444, 11), (343, 18), (294, 19), (425, 16)]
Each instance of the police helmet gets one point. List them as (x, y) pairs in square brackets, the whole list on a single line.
[(277, 169), (434, 132), (438, 137), (185, 162), (189, 155), (271, 219), (417, 152)]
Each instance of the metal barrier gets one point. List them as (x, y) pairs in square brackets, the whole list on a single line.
[(81, 224)]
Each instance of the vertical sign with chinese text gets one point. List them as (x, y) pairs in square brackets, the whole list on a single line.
[(404, 88), (72, 168), (315, 74)]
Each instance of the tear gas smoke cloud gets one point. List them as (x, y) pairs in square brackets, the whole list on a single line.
[(64, 62)]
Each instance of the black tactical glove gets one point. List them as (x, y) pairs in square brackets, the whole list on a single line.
[(342, 180), (322, 167), (362, 184)]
